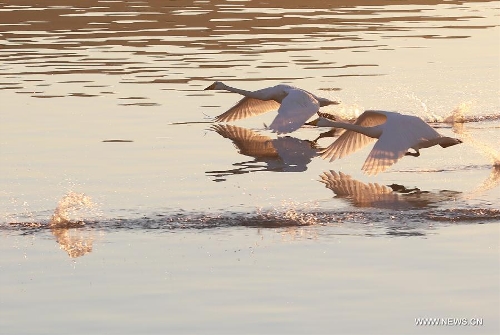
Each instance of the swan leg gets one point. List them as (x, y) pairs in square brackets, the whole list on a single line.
[(330, 133), (414, 154)]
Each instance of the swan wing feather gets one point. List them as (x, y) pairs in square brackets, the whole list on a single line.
[(401, 133), (351, 141), (296, 108), (247, 107), (384, 154)]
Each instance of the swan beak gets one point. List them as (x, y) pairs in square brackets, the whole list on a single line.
[(211, 87)]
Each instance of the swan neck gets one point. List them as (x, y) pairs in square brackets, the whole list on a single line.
[(373, 132), (236, 90), (443, 141)]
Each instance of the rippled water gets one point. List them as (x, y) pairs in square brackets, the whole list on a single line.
[(107, 141)]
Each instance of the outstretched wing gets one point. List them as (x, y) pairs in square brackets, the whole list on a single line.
[(385, 153), (351, 141), (402, 133), (296, 108), (247, 107)]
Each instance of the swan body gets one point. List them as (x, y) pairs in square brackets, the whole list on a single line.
[(295, 106), (396, 133)]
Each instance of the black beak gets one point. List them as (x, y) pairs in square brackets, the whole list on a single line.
[(211, 87)]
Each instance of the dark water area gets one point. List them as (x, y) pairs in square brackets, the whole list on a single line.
[(156, 43)]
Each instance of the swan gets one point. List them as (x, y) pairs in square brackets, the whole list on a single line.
[(396, 133), (295, 106)]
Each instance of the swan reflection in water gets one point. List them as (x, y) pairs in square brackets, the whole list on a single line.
[(282, 154), (381, 196)]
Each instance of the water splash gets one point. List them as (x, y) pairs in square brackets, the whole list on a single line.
[(459, 114), (348, 112), (464, 112), (72, 210), (424, 110), (491, 182), (291, 213), (67, 223), (487, 150)]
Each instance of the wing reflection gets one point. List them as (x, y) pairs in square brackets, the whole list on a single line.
[(380, 196), (283, 154)]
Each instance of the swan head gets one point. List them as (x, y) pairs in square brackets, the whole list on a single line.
[(217, 85), (449, 141), (326, 102)]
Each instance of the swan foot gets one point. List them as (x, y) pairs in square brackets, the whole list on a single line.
[(414, 154)]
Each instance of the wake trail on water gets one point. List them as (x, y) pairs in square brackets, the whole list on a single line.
[(74, 228), (463, 113), (68, 224)]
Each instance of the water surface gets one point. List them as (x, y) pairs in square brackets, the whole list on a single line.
[(122, 199)]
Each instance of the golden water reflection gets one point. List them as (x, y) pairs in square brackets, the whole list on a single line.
[(281, 154), (74, 241), (160, 42), (374, 195), (68, 226)]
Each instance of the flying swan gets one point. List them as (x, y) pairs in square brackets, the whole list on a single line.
[(295, 106), (396, 134)]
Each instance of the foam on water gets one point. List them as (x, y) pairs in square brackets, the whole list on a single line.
[(403, 207), (369, 210), (463, 113), (67, 224), (483, 148), (73, 209), (491, 182), (290, 212)]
